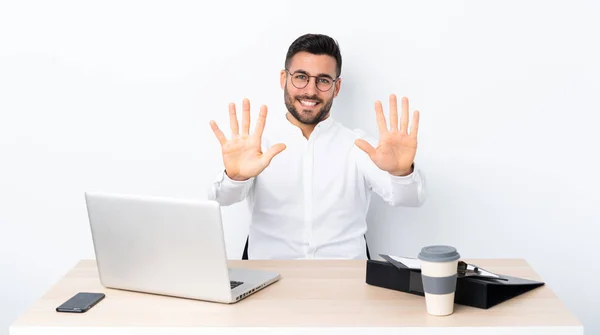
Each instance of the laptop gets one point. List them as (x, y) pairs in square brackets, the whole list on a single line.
[(167, 246)]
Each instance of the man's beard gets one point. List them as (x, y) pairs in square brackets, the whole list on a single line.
[(310, 117)]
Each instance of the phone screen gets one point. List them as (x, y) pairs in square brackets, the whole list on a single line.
[(80, 302)]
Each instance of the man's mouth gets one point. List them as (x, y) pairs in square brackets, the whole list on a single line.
[(308, 103)]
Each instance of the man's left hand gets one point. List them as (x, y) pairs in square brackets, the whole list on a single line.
[(397, 147)]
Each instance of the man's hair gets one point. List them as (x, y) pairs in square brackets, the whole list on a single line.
[(316, 44)]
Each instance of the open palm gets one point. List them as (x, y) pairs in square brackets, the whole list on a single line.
[(397, 147), (242, 153)]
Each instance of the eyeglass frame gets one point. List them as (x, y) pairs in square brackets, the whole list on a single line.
[(308, 81)]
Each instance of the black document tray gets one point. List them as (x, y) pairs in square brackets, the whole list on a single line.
[(470, 291)]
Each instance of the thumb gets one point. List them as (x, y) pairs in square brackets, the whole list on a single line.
[(365, 146), (273, 151)]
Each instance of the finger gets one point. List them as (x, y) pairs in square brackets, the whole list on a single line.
[(218, 133), (273, 151), (262, 120), (414, 127), (233, 122), (246, 117), (404, 117), (365, 146), (393, 113), (380, 117)]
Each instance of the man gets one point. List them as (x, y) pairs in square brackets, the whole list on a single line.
[(308, 180)]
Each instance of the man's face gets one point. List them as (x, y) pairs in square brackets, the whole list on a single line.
[(309, 105)]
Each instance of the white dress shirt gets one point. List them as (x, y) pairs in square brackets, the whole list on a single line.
[(312, 200)]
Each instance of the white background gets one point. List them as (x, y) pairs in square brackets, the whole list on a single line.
[(117, 95)]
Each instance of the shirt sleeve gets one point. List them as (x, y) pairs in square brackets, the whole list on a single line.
[(406, 191), (227, 191)]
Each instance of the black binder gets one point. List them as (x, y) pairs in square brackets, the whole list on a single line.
[(470, 291)]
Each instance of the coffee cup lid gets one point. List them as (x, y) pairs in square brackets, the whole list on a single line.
[(438, 253)]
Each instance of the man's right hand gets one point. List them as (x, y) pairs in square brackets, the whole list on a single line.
[(242, 153)]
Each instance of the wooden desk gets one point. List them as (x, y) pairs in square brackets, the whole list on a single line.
[(313, 296)]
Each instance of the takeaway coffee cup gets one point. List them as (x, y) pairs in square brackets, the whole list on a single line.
[(439, 265)]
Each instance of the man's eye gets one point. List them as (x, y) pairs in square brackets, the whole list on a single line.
[(324, 81), (301, 77)]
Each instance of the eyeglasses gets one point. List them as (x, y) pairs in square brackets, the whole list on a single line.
[(300, 80)]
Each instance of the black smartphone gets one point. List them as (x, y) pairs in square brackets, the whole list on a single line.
[(80, 302)]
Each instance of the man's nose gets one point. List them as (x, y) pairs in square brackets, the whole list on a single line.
[(311, 88)]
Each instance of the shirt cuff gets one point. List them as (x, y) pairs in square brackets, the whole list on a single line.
[(408, 179), (223, 178)]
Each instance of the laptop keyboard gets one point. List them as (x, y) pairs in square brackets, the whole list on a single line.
[(235, 284)]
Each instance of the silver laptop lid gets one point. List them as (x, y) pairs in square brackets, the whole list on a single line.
[(160, 245)]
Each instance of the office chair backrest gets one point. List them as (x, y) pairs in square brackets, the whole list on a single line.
[(245, 254)]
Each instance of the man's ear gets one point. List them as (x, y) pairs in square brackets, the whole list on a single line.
[(282, 79), (338, 86)]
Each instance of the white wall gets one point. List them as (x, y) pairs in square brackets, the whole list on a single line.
[(117, 95)]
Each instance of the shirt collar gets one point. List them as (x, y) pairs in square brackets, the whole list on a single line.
[(323, 125)]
